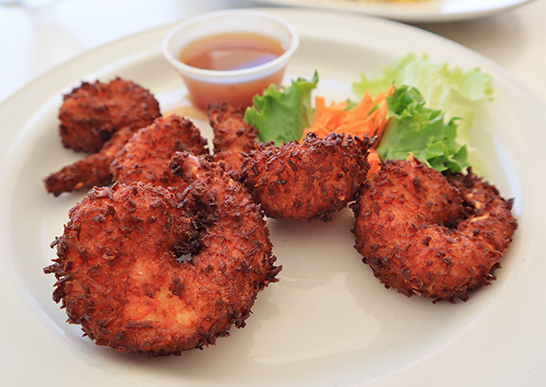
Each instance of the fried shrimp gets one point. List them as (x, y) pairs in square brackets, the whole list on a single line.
[(93, 112), (94, 170), (146, 155), (489, 214), (232, 136), (99, 118), (307, 181), (123, 273), (425, 234)]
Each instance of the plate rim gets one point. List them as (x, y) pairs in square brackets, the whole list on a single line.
[(404, 12)]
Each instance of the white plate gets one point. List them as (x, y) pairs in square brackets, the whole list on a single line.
[(328, 321), (418, 11)]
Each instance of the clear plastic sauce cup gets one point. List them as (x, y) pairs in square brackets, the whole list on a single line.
[(230, 56)]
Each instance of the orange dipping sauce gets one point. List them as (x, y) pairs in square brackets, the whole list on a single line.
[(227, 52), (233, 51), (241, 94)]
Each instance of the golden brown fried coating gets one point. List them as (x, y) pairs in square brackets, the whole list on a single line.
[(146, 155), (94, 170), (427, 235), (232, 136), (307, 181), (122, 273), (117, 268), (235, 230), (487, 213), (93, 112)]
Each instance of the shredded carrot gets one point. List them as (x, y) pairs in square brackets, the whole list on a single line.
[(368, 117), (374, 161)]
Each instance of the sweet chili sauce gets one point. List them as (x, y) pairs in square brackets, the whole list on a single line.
[(233, 51), (226, 52)]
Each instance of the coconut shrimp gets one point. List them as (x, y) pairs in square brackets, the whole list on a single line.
[(428, 235)]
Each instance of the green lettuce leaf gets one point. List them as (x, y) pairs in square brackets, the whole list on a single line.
[(422, 131), (282, 113), (456, 92)]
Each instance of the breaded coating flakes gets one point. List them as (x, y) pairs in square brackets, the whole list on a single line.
[(307, 181), (425, 234)]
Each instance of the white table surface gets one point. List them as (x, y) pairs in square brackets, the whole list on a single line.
[(33, 40)]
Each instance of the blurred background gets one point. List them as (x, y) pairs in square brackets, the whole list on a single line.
[(37, 35)]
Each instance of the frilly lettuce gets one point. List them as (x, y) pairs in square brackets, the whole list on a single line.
[(282, 113), (431, 109), (422, 131), (456, 92)]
